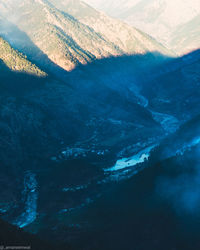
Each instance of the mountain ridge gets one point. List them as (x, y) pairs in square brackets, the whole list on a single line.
[(72, 41)]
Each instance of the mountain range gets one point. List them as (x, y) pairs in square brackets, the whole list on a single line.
[(73, 38)]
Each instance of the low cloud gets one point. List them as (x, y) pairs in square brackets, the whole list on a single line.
[(183, 190)]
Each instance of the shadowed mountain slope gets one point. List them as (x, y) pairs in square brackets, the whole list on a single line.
[(61, 136)]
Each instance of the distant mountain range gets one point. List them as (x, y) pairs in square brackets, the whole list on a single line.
[(174, 23), (187, 36)]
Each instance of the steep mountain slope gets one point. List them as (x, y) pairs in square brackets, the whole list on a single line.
[(129, 40), (160, 19), (16, 61), (71, 41), (186, 139), (176, 90)]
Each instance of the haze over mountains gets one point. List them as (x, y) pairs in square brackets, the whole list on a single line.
[(99, 125), (77, 36), (173, 23)]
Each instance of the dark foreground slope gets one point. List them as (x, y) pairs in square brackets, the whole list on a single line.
[(156, 209), (11, 236)]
